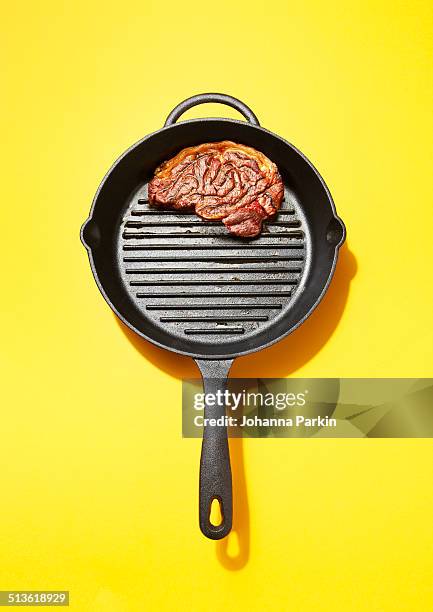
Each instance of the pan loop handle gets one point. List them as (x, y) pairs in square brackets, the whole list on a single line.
[(211, 97)]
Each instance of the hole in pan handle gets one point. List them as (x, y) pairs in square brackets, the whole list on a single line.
[(215, 471), (205, 98)]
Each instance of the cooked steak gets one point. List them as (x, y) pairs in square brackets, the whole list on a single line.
[(221, 180)]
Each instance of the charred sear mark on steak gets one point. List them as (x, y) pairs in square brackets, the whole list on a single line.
[(221, 180)]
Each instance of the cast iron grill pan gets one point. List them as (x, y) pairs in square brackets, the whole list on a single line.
[(188, 285)]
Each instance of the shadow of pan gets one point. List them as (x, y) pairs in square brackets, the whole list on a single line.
[(289, 355), (278, 361)]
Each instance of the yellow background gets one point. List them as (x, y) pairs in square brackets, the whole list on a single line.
[(98, 489)]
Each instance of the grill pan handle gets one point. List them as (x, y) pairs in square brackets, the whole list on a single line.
[(215, 471), (211, 97)]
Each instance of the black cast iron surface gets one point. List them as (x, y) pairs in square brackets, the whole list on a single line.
[(187, 285)]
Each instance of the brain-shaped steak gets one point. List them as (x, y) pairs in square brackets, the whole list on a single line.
[(220, 180)]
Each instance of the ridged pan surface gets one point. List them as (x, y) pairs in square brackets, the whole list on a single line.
[(191, 277)]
